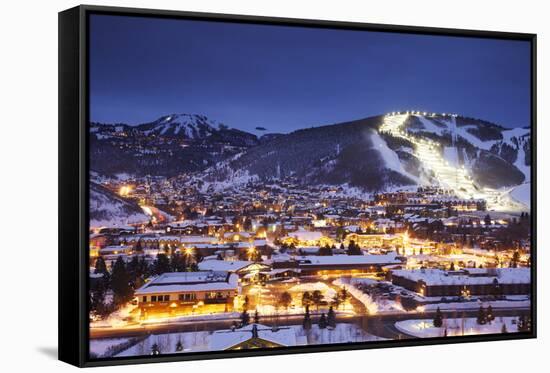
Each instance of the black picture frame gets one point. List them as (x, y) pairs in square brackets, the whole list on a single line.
[(74, 181)]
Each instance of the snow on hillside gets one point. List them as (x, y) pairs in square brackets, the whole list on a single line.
[(390, 158), (522, 193), (109, 210), (186, 125)]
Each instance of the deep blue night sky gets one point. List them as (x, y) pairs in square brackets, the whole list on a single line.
[(285, 78)]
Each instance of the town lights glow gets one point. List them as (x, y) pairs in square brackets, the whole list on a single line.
[(448, 176), (125, 190)]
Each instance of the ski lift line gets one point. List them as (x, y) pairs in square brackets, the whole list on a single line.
[(446, 175)]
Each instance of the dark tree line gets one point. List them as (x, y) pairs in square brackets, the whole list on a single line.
[(124, 278)]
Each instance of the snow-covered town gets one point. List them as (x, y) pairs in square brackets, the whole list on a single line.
[(278, 264)]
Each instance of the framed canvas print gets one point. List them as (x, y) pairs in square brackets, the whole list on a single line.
[(236, 186)]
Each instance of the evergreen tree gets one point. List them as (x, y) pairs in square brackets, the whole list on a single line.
[(179, 346), (133, 268), (161, 265), (120, 283), (245, 318), (489, 315), (481, 316), (487, 220), (178, 263), (325, 251), (323, 321), (331, 318), (155, 349), (97, 297), (354, 249), (504, 330), (307, 320), (515, 259), (256, 317), (438, 319), (101, 267)]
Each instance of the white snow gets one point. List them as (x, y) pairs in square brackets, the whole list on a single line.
[(343, 333), (314, 260), (328, 292), (192, 342), (225, 339), (373, 306), (292, 335), (99, 347), (455, 327), (441, 277), (520, 164), (525, 303), (390, 158), (522, 193)]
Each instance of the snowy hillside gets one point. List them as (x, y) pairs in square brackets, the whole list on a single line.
[(107, 209), (478, 159), (351, 154), (475, 158), (169, 146)]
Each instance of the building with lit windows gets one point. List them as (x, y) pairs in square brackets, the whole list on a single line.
[(188, 292)]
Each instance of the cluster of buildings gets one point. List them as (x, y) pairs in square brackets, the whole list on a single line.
[(428, 241)]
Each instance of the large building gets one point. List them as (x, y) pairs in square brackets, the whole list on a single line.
[(346, 264), (374, 240), (469, 281), (186, 292)]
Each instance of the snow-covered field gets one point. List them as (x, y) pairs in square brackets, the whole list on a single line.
[(328, 292), (115, 319), (99, 347), (166, 343), (374, 306), (343, 333), (455, 327), (201, 340)]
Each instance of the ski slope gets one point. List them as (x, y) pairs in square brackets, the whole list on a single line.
[(448, 175)]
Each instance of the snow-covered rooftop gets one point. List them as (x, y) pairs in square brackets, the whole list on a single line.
[(312, 260), (469, 276), (225, 339), (223, 265), (190, 281)]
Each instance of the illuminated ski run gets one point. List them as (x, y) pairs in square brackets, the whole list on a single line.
[(458, 179)]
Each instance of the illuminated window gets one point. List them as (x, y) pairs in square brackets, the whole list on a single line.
[(153, 298), (144, 298)]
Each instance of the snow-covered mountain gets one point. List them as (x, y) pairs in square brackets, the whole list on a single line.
[(476, 158), (388, 152), (168, 146), (107, 209), (341, 154)]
